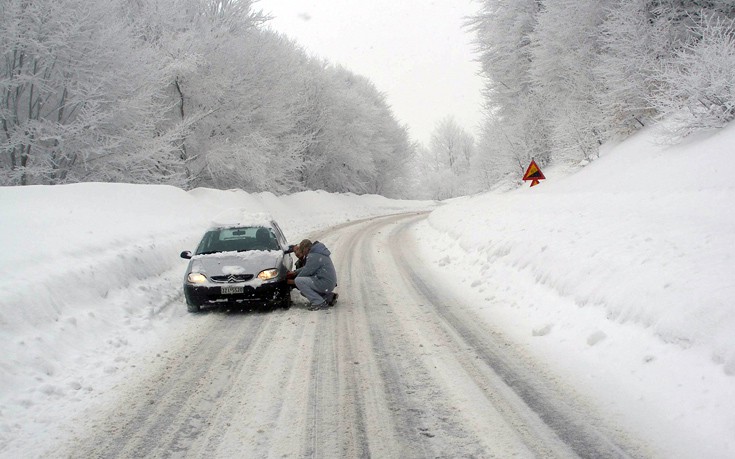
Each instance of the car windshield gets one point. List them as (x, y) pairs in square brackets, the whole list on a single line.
[(237, 240)]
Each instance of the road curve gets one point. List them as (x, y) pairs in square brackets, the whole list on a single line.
[(398, 368)]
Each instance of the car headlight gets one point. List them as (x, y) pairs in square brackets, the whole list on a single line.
[(196, 278), (268, 274)]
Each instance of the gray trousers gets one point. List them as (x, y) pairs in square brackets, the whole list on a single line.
[(310, 292)]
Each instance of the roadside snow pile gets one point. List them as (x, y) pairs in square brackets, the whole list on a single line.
[(646, 233), (623, 274), (88, 271)]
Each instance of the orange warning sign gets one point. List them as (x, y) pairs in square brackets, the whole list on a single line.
[(533, 173)]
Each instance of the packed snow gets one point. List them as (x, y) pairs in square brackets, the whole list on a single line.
[(619, 277)]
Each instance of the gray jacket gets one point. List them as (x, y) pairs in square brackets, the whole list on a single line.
[(319, 267)]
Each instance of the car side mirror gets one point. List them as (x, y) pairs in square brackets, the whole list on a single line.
[(186, 254)]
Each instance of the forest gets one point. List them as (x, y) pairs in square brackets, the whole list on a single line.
[(563, 77), (201, 93), (189, 93)]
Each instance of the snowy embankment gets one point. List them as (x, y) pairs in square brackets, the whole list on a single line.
[(90, 274), (621, 275)]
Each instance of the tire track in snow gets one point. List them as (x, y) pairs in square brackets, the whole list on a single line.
[(576, 426), (396, 369), (177, 403), (419, 421)]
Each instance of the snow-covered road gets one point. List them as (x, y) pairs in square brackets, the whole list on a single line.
[(400, 368)]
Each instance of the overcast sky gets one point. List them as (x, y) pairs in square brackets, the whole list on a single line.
[(415, 51)]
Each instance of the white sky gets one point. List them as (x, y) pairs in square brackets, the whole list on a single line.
[(415, 51)]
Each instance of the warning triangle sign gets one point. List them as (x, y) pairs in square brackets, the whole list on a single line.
[(533, 173)]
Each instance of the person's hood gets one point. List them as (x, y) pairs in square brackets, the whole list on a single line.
[(320, 248)]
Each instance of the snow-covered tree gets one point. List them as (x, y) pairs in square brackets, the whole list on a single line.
[(563, 76), (445, 169), (451, 146), (564, 56), (357, 146), (697, 83), (630, 46), (516, 118), (75, 89), (183, 92)]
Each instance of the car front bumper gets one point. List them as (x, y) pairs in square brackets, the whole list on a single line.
[(264, 294)]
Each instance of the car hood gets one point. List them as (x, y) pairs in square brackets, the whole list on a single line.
[(224, 263)]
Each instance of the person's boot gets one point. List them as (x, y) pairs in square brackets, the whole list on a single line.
[(333, 300), (318, 307)]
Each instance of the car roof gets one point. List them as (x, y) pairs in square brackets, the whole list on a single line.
[(239, 218), (240, 225)]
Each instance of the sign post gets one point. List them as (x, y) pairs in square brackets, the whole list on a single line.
[(533, 173)]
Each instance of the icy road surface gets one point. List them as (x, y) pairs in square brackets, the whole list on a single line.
[(397, 369)]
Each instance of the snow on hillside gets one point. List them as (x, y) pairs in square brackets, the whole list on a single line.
[(90, 275), (621, 275)]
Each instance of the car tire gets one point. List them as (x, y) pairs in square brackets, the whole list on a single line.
[(286, 299), (193, 308)]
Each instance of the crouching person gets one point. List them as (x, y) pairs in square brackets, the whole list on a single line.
[(317, 278)]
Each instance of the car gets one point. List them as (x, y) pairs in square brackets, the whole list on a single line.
[(239, 264)]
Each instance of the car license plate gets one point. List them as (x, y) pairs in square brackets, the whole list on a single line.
[(231, 290)]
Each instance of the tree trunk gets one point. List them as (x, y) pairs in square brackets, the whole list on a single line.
[(183, 155)]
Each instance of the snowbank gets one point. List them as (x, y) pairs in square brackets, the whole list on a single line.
[(623, 274), (646, 233)]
